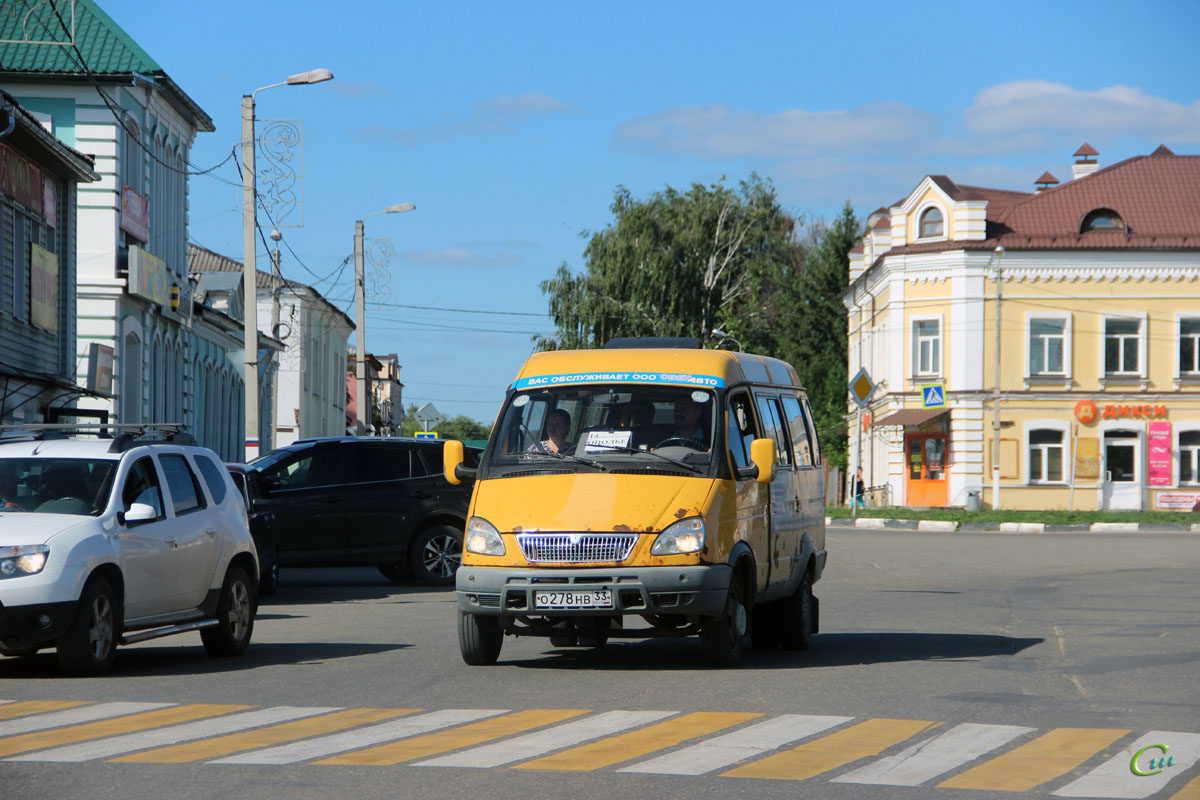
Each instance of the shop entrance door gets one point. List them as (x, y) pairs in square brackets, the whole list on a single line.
[(1122, 471), (926, 454)]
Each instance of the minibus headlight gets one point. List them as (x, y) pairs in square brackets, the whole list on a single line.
[(685, 536), (483, 538), (22, 560)]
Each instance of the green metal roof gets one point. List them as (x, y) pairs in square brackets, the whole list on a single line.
[(107, 50)]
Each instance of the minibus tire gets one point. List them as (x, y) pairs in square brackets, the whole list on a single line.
[(724, 637), (479, 638), (798, 617)]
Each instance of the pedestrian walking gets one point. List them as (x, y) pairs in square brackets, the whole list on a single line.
[(860, 490)]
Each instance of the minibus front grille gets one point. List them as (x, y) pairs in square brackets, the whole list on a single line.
[(576, 548)]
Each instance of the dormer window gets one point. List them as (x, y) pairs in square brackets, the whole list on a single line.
[(1102, 219), (932, 224)]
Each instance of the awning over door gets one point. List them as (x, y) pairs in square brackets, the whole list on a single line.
[(911, 416)]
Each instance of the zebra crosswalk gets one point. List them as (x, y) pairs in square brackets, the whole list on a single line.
[(1059, 762)]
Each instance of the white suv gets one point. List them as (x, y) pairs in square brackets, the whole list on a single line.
[(115, 541)]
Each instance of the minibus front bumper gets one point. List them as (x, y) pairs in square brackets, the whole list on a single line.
[(699, 590)]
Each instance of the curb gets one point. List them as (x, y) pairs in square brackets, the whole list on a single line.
[(947, 526)]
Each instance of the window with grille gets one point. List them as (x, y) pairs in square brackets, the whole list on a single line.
[(1189, 346), (927, 346), (1047, 344), (1045, 456), (1122, 346)]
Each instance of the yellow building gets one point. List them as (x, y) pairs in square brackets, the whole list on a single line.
[(1033, 350)]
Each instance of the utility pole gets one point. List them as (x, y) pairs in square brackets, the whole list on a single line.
[(999, 255)]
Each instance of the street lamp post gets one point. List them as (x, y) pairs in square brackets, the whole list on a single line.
[(722, 336), (249, 267), (360, 322)]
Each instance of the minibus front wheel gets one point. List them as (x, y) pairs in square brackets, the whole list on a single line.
[(724, 637), (479, 638)]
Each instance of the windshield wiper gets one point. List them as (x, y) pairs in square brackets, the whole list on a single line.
[(636, 451), (566, 457)]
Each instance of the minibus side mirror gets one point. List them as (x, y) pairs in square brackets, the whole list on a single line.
[(762, 455), (452, 463)]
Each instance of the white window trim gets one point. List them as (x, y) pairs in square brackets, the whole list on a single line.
[(1068, 445), (1182, 377), (945, 235), (1067, 372), (914, 354), (1181, 428), (1125, 377), (1138, 427)]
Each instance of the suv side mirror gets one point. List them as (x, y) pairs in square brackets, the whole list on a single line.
[(762, 455), (139, 512), (452, 463)]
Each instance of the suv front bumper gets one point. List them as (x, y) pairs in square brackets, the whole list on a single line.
[(700, 591), (34, 625)]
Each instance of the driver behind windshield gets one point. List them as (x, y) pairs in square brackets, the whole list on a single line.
[(688, 416), (558, 422)]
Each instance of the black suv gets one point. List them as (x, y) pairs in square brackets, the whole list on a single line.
[(346, 501)]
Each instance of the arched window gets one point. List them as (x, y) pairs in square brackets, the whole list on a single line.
[(932, 223), (1102, 219)]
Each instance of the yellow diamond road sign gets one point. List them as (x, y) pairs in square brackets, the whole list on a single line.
[(862, 387)]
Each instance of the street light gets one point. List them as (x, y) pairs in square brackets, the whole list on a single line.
[(249, 267), (722, 335), (360, 321)]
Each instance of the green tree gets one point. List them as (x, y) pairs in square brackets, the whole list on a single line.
[(408, 424), (462, 427), (674, 264)]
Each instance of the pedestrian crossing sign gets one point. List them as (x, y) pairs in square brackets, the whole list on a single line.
[(933, 396)]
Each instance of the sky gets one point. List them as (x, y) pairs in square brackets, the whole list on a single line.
[(510, 126)]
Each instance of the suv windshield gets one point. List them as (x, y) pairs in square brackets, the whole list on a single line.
[(607, 428), (56, 485)]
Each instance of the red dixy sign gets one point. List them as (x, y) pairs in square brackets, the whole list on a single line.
[(1116, 412)]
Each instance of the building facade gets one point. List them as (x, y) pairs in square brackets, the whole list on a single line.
[(1033, 350), (133, 290), (38, 179)]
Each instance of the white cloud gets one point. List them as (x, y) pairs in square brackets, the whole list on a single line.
[(458, 257), (485, 118), (717, 131), (1022, 106)]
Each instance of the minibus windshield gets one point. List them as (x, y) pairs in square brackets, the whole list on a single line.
[(606, 428)]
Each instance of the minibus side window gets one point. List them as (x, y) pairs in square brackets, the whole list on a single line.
[(741, 429), (812, 433), (772, 420), (793, 412)]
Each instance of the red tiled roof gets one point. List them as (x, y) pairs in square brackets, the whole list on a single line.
[(1047, 178), (1085, 150), (884, 222)]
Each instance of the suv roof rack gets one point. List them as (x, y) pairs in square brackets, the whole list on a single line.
[(128, 435), (633, 342)]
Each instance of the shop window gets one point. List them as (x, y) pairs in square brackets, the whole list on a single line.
[(1047, 346), (1045, 456), (1189, 457), (1122, 346), (927, 347), (932, 224), (1189, 346)]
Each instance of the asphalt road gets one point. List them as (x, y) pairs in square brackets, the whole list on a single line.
[(971, 659)]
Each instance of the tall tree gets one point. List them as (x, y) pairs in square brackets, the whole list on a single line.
[(674, 264)]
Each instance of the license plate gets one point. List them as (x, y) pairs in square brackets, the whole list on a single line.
[(591, 598)]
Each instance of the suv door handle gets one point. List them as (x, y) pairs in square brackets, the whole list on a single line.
[(211, 531), (170, 542)]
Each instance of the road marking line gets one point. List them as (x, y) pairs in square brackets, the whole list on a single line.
[(749, 742), (1114, 778), (928, 759), (75, 716), (248, 740), (1191, 791), (522, 748), (867, 738), (1034, 763), (644, 741), (364, 737), (456, 739), (161, 737), (9, 709), (111, 727)]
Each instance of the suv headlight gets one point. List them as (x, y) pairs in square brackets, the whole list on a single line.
[(685, 536), (483, 538), (25, 559)]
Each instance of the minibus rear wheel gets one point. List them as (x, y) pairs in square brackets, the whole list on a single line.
[(479, 638)]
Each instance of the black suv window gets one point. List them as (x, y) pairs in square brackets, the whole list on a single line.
[(214, 477), (308, 467), (374, 461), (181, 481)]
